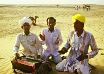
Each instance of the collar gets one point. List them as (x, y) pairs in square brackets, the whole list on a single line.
[(28, 34), (82, 35), (51, 31)]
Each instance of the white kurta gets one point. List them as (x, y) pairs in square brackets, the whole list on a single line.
[(50, 39), (30, 43), (78, 44)]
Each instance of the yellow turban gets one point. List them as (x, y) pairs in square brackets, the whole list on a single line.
[(78, 17)]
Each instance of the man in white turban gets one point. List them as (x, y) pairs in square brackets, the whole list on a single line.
[(79, 41), (29, 41)]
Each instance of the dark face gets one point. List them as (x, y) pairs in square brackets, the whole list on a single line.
[(51, 23), (78, 26), (26, 27)]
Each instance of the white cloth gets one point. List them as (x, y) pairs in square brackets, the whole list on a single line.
[(50, 38), (83, 44), (25, 20), (64, 66), (30, 43)]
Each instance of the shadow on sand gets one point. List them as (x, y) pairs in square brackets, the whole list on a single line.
[(98, 70), (1, 58)]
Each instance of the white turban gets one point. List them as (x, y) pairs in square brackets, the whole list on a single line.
[(25, 20)]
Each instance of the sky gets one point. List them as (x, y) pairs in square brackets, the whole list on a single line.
[(101, 2)]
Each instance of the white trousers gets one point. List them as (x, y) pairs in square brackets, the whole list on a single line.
[(63, 66)]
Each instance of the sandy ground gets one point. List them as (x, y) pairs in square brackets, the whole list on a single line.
[(6, 54), (9, 30)]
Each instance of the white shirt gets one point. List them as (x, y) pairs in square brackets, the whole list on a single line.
[(30, 43), (81, 43), (50, 38)]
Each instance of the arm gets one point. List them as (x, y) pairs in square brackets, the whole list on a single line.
[(68, 43), (42, 37), (38, 46), (17, 45), (92, 53), (16, 48), (93, 47), (66, 47), (59, 39)]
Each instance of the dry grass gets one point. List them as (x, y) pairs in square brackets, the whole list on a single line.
[(9, 28)]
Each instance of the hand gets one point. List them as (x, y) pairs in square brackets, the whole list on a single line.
[(38, 56), (57, 41), (63, 50), (63, 57), (17, 56), (42, 37), (82, 57)]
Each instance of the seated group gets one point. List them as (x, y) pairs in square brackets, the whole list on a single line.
[(78, 41)]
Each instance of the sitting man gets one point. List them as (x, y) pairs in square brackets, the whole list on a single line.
[(52, 38), (30, 42), (79, 41)]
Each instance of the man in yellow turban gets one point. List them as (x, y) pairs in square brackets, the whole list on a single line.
[(79, 41)]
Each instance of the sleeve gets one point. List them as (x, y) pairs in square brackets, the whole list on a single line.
[(17, 44), (93, 47), (60, 38), (67, 45), (42, 33), (38, 46)]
